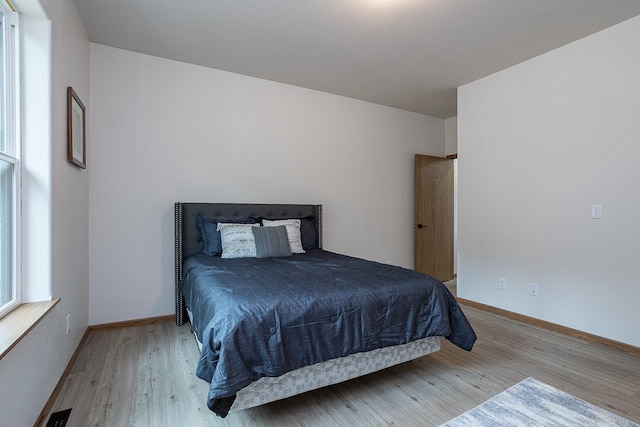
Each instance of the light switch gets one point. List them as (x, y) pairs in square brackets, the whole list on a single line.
[(596, 211)]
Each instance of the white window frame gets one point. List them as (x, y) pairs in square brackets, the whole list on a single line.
[(10, 105)]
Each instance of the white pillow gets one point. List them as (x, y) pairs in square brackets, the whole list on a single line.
[(237, 240), (293, 232)]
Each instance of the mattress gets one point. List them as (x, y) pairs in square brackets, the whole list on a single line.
[(267, 317), (323, 374), (330, 372)]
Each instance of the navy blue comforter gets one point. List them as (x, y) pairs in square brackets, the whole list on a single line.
[(265, 317)]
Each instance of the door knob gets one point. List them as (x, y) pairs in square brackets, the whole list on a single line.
[(419, 226)]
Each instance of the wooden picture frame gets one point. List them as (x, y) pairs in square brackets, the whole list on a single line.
[(76, 130)]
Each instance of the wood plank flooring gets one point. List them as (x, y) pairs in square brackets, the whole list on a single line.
[(144, 376)]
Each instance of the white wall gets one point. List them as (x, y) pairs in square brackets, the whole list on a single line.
[(450, 148), (164, 131), (451, 136), (58, 198), (70, 198), (538, 144)]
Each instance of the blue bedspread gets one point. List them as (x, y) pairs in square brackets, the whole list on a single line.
[(265, 317)]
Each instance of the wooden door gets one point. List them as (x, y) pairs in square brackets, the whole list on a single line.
[(433, 232)]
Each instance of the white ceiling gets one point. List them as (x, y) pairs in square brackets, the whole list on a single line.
[(408, 54)]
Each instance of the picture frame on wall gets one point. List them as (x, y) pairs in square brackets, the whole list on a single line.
[(76, 130)]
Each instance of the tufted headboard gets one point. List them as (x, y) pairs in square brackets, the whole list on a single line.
[(187, 235)]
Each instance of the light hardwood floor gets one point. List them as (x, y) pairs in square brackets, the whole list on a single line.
[(144, 376)]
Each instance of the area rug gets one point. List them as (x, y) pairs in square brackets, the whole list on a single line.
[(533, 403)]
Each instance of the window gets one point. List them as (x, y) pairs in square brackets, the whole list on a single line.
[(9, 161)]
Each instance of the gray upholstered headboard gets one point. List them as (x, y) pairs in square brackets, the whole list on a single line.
[(187, 235)]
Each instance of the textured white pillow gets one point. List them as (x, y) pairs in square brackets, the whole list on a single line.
[(293, 232), (237, 240)]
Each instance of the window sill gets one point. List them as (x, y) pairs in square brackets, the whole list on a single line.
[(17, 324)]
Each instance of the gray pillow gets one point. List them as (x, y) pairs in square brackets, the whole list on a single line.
[(293, 231), (271, 241), (237, 240), (210, 236)]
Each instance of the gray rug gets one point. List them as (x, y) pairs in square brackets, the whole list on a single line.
[(533, 403)]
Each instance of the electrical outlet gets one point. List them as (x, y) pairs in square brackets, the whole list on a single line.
[(596, 211), (533, 289), (502, 283), (68, 323)]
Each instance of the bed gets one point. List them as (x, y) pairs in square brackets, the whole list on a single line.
[(275, 326)]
